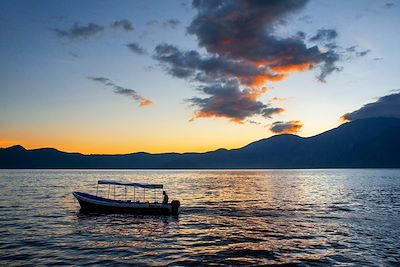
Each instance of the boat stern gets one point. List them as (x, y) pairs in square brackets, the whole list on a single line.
[(175, 204)]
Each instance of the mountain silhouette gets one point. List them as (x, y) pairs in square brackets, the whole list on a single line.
[(364, 143)]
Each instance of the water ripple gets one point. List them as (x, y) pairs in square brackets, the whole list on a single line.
[(250, 218)]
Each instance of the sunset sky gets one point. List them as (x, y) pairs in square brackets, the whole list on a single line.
[(175, 76)]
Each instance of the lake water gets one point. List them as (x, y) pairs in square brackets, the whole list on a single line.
[(238, 217)]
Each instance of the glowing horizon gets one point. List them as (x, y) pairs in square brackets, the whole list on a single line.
[(99, 146)]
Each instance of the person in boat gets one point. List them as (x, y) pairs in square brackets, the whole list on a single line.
[(165, 200)]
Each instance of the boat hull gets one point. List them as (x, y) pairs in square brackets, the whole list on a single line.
[(91, 203)]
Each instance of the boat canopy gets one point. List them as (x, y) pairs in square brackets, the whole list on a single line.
[(126, 183)]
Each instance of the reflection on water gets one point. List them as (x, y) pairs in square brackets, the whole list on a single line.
[(323, 217)]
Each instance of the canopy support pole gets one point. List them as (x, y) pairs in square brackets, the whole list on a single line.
[(97, 190), (144, 194), (108, 195), (114, 191), (134, 194)]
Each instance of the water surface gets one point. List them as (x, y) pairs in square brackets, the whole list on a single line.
[(263, 217)]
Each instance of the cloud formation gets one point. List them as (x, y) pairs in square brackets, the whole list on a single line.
[(388, 5), (171, 23), (355, 52), (385, 106), (123, 24), (191, 64), (152, 22), (122, 90), (286, 127), (243, 53), (363, 53), (79, 32), (324, 35), (227, 100), (244, 30), (136, 48)]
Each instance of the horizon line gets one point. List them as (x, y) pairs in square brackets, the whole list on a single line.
[(189, 152)]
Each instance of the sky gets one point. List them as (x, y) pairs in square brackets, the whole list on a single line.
[(109, 77)]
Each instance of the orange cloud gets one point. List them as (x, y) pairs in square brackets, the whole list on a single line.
[(210, 114), (292, 67), (254, 93), (276, 73), (260, 80), (276, 98), (242, 49), (288, 127), (204, 114), (145, 102), (344, 118)]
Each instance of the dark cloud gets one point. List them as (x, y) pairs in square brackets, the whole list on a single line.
[(122, 90), (149, 68), (363, 53), (136, 48), (301, 35), (351, 48), (191, 64), (329, 66), (103, 80), (244, 30), (354, 52), (388, 5), (242, 47), (123, 24), (73, 55), (171, 23), (79, 32), (228, 101), (331, 46), (385, 106), (152, 22), (286, 127), (324, 35)]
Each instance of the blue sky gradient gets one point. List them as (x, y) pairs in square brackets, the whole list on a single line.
[(47, 100)]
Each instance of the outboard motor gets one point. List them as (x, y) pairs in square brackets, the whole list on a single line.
[(175, 204)]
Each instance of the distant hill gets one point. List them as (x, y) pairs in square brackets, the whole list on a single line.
[(366, 143)]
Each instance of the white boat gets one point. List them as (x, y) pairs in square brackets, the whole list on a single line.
[(96, 203)]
